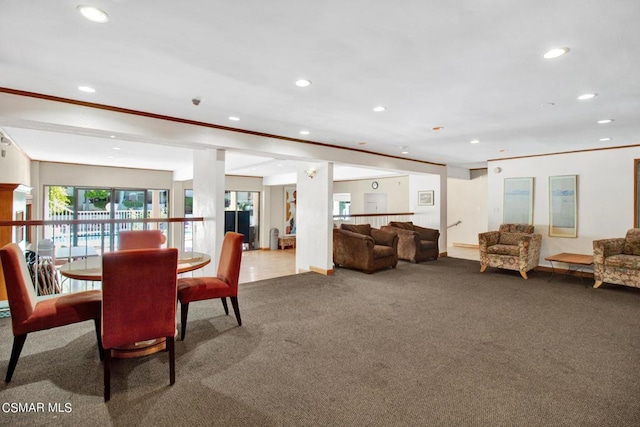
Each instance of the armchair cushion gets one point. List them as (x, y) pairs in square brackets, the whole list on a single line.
[(405, 225), (360, 228), (631, 262), (517, 228), (510, 238)]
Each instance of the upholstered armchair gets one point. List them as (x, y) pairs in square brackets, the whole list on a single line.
[(415, 243), (617, 260), (364, 248), (512, 247)]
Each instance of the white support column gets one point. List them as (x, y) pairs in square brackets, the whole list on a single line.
[(208, 202), (314, 236)]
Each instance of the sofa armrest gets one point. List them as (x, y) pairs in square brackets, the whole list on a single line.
[(385, 238), (604, 248), (430, 234)]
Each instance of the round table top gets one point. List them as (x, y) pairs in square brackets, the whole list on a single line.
[(91, 268)]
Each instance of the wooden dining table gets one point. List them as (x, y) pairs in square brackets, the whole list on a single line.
[(90, 269)]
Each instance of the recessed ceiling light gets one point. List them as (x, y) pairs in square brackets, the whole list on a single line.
[(303, 83), (279, 165), (587, 96), (93, 14), (234, 118), (556, 52), (87, 89), (304, 132), (112, 136), (475, 141), (116, 148), (379, 108), (603, 121), (605, 139)]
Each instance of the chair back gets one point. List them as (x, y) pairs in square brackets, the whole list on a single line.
[(46, 248), (230, 257), (20, 291), (517, 228), (139, 294), (140, 239)]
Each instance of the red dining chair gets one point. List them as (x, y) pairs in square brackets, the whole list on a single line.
[(224, 285), (140, 239), (29, 315), (138, 302)]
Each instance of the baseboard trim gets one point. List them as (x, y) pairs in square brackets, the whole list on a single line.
[(466, 245), (321, 270)]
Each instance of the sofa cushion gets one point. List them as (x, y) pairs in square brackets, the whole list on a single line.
[(510, 238), (517, 228), (511, 250), (632, 242), (380, 251), (408, 225), (360, 229), (631, 262)]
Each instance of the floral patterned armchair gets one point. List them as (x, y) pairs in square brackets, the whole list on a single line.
[(513, 247), (617, 260)]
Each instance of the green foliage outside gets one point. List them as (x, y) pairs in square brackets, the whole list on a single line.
[(58, 199)]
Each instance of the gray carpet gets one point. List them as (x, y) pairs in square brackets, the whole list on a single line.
[(434, 344)]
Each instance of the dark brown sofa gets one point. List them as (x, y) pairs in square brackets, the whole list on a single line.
[(361, 247), (415, 243)]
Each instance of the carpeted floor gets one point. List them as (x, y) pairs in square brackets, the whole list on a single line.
[(433, 344)]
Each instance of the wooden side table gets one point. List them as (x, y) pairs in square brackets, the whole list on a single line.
[(287, 241), (579, 260)]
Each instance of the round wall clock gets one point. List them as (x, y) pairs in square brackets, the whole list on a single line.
[(374, 185)]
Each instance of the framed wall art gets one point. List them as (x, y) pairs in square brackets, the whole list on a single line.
[(290, 202), (517, 201), (563, 212), (425, 198)]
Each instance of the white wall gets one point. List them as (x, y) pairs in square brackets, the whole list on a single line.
[(396, 189), (15, 167), (467, 202), (605, 194)]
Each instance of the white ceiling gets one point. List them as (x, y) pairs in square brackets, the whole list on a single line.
[(474, 67)]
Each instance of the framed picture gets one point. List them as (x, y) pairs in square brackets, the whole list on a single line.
[(19, 228), (290, 201), (563, 213), (425, 198), (517, 201)]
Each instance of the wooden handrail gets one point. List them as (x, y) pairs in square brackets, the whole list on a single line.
[(373, 214), (97, 221)]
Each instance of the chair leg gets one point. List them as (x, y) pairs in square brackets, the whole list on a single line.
[(483, 267), (224, 304), (184, 310), (99, 337), (236, 309), (172, 359), (18, 343), (524, 275), (107, 374)]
